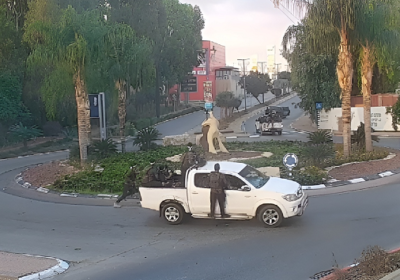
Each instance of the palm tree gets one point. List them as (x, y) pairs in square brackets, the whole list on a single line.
[(327, 20), (376, 32), (127, 63), (71, 42)]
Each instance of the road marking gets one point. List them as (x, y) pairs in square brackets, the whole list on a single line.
[(358, 180)]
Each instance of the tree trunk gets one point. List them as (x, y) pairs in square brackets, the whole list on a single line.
[(121, 87), (366, 80), (158, 84), (83, 114), (345, 77)]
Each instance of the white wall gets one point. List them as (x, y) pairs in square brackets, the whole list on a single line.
[(380, 121)]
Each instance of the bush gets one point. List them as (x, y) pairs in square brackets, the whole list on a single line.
[(356, 156), (320, 137), (74, 153), (310, 175), (25, 133), (145, 138), (103, 149), (318, 154), (112, 178)]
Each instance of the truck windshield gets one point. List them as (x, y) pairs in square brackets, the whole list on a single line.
[(255, 177)]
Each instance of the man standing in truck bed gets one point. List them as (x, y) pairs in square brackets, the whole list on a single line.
[(218, 184)]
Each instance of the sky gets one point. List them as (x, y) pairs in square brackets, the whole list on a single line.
[(245, 27)]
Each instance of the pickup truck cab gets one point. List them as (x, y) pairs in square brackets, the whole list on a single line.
[(251, 194)]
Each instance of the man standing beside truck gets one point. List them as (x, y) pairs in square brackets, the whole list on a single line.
[(218, 184)]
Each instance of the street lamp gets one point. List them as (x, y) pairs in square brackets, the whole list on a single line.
[(244, 82)]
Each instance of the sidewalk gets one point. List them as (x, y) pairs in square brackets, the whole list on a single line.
[(19, 266), (305, 124)]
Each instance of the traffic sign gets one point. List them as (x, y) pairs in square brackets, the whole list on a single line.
[(290, 161), (208, 106), (189, 85), (319, 105)]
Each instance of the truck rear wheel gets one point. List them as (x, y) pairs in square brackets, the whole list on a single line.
[(173, 213)]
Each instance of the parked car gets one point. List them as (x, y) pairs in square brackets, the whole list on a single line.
[(251, 194), (286, 111)]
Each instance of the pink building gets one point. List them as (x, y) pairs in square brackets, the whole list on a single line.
[(214, 58)]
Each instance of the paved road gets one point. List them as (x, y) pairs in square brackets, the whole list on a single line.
[(134, 243)]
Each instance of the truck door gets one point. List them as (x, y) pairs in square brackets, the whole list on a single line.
[(198, 193), (239, 202)]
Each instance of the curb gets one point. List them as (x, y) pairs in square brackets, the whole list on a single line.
[(243, 136), (20, 181), (327, 275), (337, 183), (61, 267)]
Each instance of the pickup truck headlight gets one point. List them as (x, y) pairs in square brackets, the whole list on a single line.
[(291, 197)]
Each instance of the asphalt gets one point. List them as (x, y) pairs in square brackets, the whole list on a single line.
[(134, 243)]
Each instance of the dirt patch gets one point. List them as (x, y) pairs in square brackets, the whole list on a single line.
[(46, 174), (373, 265), (362, 169)]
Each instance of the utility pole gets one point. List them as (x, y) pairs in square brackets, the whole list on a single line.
[(262, 66), (262, 71), (277, 69), (244, 82)]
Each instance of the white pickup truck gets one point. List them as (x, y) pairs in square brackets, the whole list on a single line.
[(251, 194)]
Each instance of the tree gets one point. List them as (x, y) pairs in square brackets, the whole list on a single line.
[(127, 65), (313, 76), (330, 20), (256, 84), (225, 100), (16, 10), (377, 32), (174, 30), (73, 42)]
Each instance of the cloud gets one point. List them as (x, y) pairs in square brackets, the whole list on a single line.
[(245, 28)]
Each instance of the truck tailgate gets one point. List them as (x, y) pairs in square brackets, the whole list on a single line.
[(151, 198)]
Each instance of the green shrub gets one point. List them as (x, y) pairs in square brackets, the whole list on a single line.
[(103, 149), (25, 133), (357, 156), (317, 154), (145, 138), (320, 137), (307, 176), (111, 179), (74, 153)]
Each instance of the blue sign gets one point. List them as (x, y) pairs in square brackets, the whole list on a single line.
[(94, 105), (208, 106), (319, 105), (290, 161)]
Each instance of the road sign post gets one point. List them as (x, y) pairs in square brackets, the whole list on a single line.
[(290, 161), (98, 111), (318, 107)]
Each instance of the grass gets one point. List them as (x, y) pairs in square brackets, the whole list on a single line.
[(278, 148)]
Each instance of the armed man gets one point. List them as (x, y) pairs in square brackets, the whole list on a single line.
[(218, 184)]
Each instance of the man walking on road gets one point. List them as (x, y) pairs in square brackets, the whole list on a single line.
[(129, 187), (218, 184)]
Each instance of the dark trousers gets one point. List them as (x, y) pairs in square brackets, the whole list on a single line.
[(128, 190), (221, 200)]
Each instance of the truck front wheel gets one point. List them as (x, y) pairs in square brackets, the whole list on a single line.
[(271, 216), (173, 213)]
